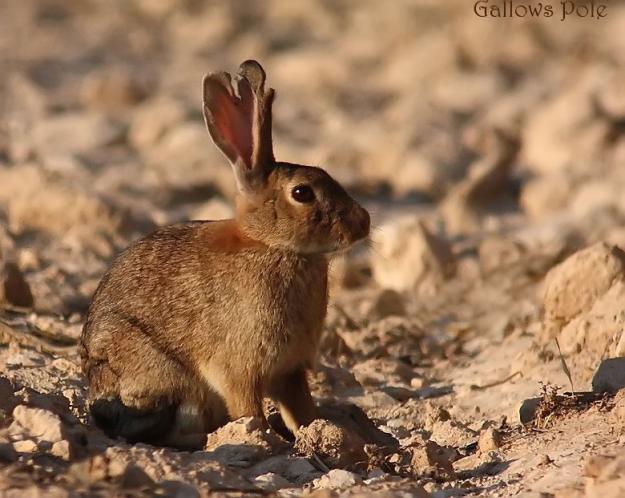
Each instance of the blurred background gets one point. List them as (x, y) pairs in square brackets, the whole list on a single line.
[(477, 125)]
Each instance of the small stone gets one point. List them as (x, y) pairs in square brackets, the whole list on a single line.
[(546, 194), (37, 423), (61, 449), (610, 376), (335, 445), (496, 253), (431, 456), (116, 466), (24, 358), (337, 479), (75, 133), (418, 382), (242, 442), (355, 420), (490, 440), (25, 446), (409, 257), (271, 482), (113, 89), (152, 119)]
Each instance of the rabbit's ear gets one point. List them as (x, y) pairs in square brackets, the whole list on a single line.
[(241, 125)]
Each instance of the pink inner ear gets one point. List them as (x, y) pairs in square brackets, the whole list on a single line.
[(233, 118)]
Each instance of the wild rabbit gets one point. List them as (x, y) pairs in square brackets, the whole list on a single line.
[(194, 324)]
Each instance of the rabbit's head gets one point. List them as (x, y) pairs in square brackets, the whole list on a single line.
[(301, 208)]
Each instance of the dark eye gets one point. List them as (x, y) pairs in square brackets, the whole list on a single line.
[(303, 193)]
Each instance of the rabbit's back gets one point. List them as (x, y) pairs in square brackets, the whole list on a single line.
[(207, 297)]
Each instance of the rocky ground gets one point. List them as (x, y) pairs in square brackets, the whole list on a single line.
[(462, 349)]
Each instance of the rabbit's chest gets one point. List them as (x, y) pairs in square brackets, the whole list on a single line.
[(289, 307)]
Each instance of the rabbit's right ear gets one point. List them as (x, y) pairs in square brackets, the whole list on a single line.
[(241, 125)]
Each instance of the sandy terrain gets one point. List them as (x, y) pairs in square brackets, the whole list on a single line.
[(490, 153)]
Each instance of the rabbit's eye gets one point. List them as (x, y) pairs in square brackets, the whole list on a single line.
[(303, 193)]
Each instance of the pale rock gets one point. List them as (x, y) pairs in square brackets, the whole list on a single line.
[(573, 286), (432, 457), (487, 181), (596, 195), (546, 194), (353, 419), (185, 158), (243, 442), (466, 91), (271, 482), (563, 134), (497, 253), (373, 400), (61, 209), (387, 302), (451, 433), (490, 440), (610, 97), (335, 445), (75, 133), (337, 479), (113, 88), (25, 446), (409, 257), (380, 371), (156, 8), (152, 119), (37, 423), (62, 449), (418, 173), (600, 330), (348, 271), (24, 358)]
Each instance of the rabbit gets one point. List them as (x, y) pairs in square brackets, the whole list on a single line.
[(193, 325)]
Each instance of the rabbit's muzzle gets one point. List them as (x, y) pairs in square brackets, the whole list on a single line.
[(355, 226), (362, 224)]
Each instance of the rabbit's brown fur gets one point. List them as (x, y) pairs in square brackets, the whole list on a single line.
[(195, 323)]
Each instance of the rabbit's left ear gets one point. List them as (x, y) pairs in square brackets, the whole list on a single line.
[(241, 125)]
